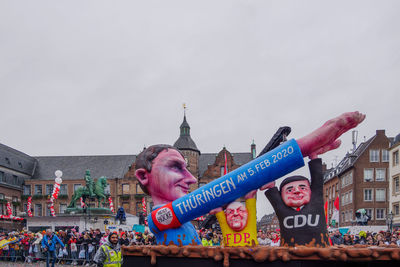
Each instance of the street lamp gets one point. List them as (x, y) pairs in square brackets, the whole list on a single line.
[(389, 221)]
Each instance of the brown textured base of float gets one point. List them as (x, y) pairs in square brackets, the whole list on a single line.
[(194, 256)]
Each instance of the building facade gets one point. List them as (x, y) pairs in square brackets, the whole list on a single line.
[(362, 181), (22, 176), (394, 180)]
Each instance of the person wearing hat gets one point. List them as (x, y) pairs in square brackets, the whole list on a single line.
[(109, 254)]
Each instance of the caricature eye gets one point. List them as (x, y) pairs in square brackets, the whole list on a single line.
[(176, 167)]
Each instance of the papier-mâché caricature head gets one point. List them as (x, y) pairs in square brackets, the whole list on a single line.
[(162, 173), (295, 191), (236, 216)]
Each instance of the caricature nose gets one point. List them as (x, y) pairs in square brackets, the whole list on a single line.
[(296, 189), (189, 178)]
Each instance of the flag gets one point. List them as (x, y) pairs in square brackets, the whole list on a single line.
[(335, 214), (326, 211), (144, 205), (226, 164)]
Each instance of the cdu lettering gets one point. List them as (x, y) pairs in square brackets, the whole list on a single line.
[(300, 220)]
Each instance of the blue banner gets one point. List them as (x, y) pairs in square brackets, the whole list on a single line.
[(258, 172)]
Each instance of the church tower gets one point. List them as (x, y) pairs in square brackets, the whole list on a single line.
[(188, 147)]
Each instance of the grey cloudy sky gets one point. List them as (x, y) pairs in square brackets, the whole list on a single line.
[(108, 77)]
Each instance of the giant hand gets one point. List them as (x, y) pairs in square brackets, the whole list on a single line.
[(325, 138)]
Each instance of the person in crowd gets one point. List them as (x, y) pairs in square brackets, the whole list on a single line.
[(263, 240), (123, 241), (49, 242), (109, 254), (337, 238)]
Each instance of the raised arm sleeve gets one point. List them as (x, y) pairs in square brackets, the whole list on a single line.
[(274, 197), (317, 178)]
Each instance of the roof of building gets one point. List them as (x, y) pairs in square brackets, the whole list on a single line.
[(394, 141), (348, 161), (185, 142), (74, 167), (207, 159), (13, 159)]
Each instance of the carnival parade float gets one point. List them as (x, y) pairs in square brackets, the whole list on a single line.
[(298, 203)]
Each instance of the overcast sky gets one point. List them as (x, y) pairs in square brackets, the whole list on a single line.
[(108, 77)]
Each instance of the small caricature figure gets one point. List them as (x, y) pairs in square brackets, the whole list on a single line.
[(239, 222), (299, 205), (162, 173)]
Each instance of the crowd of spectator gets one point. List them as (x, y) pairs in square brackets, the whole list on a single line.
[(76, 247), (381, 238)]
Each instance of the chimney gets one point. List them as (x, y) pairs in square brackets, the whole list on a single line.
[(380, 132), (253, 150), (324, 167)]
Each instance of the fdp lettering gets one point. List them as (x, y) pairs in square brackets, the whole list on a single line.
[(237, 238), (300, 220)]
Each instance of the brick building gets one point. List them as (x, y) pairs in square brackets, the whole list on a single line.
[(268, 222), (15, 167), (331, 191), (22, 175), (361, 181)]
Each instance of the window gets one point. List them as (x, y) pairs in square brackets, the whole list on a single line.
[(380, 175), (368, 194), (396, 207), (380, 214), (15, 179), (347, 179), (347, 197), (27, 190), (2, 209), (1, 196), (63, 189), (326, 192), (368, 175), (396, 158), (380, 194), (373, 155), (38, 210), (63, 207), (370, 213), (1, 176), (49, 189), (385, 155), (14, 199), (107, 189), (76, 186), (396, 185), (330, 193), (38, 189), (139, 189), (125, 189), (14, 210)]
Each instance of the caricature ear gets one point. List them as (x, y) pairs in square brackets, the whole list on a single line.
[(142, 175)]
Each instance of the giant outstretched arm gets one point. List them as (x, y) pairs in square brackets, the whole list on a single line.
[(253, 175)]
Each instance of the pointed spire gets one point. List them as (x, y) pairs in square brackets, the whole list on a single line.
[(185, 141)]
